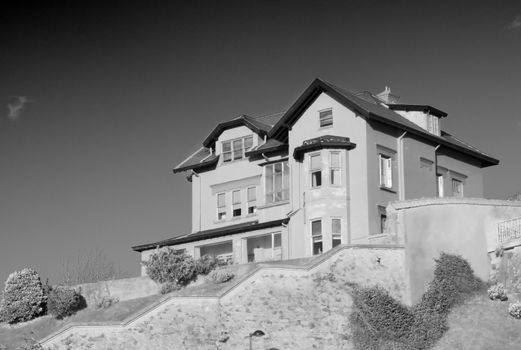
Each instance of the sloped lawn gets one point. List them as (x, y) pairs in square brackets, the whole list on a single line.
[(481, 324)]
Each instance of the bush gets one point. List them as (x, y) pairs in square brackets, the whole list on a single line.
[(206, 264), (515, 310), (497, 292), (221, 275), (23, 297), (63, 302), (106, 302), (378, 317), (169, 287), (381, 322), (169, 265)]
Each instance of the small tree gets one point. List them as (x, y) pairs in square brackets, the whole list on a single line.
[(169, 265), (24, 297)]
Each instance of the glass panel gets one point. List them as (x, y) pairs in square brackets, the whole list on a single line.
[(326, 118), (237, 149), (316, 162), (336, 225), (252, 193), (335, 160), (316, 179), (316, 227), (278, 167), (227, 157), (336, 241), (237, 212), (269, 183), (227, 147), (335, 177), (277, 240), (248, 142), (221, 200), (278, 187), (317, 247), (236, 196)]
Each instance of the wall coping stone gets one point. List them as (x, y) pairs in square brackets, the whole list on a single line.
[(422, 202)]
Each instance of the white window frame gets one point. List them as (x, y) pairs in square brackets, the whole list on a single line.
[(274, 196), (459, 184), (221, 209), (325, 118), (236, 204), (316, 238), (385, 167), (336, 235), (252, 202), (440, 183), (333, 169), (313, 171), (232, 152)]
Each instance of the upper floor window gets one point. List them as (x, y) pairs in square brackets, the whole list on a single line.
[(277, 182), (236, 210), (221, 206), (433, 125), (316, 170), (235, 149), (457, 188), (386, 170), (252, 200), (326, 117), (335, 169), (316, 236), (336, 229)]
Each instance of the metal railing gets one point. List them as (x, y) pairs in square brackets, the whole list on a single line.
[(509, 230)]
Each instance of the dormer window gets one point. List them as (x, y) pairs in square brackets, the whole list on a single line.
[(326, 118), (235, 149)]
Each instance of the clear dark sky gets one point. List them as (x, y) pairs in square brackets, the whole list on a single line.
[(101, 101)]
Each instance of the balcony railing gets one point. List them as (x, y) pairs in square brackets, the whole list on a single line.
[(509, 230)]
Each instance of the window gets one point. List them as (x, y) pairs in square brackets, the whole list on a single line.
[(457, 188), (221, 206), (335, 169), (326, 118), (439, 177), (433, 125), (235, 149), (252, 200), (386, 171), (316, 236), (336, 229), (236, 210), (382, 217), (316, 170), (277, 182)]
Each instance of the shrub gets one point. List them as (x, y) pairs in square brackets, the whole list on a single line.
[(381, 322), (515, 310), (106, 302), (497, 291), (169, 265), (23, 297), (221, 275), (169, 287), (63, 302), (206, 264), (377, 317)]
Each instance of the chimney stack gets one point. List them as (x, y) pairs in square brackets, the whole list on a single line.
[(387, 97)]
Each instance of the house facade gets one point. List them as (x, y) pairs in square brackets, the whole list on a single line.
[(298, 183)]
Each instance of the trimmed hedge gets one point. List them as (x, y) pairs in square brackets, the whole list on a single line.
[(23, 297), (221, 275), (381, 322), (63, 302)]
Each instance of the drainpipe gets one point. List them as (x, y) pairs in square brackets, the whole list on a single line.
[(436, 170), (401, 170)]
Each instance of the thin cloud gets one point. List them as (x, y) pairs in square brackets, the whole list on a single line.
[(16, 107), (515, 24)]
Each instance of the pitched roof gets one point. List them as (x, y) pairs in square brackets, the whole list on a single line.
[(199, 159), (370, 109), (270, 145), (212, 233), (254, 124), (422, 108)]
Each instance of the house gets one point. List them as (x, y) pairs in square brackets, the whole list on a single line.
[(299, 183)]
